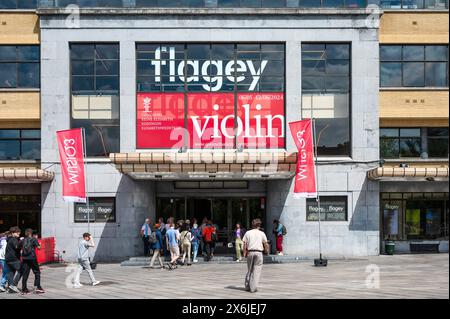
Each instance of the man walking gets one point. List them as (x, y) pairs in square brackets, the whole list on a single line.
[(3, 243), (173, 237), (145, 233), (83, 260), (12, 258), (29, 262), (254, 242)]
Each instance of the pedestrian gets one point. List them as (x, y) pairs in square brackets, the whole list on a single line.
[(279, 231), (157, 247), (12, 258), (187, 223), (161, 223), (202, 249), (172, 239), (3, 243), (196, 239), (208, 235), (186, 238), (255, 244), (29, 262), (238, 234), (146, 230), (83, 260)]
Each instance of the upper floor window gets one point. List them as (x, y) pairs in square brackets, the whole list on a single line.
[(414, 66), (18, 4), (19, 144), (326, 94), (414, 142), (414, 4), (19, 66), (95, 95)]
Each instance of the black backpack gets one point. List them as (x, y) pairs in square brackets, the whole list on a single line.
[(28, 247)]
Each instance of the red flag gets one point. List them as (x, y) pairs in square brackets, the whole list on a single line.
[(70, 144), (305, 177)]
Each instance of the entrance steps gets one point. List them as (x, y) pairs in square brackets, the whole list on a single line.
[(221, 259)]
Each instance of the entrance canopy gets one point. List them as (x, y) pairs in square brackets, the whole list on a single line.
[(206, 165), (408, 173), (25, 175)]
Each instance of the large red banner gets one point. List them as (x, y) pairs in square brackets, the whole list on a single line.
[(305, 177), (211, 120), (70, 144)]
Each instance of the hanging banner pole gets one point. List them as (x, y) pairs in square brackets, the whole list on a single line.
[(85, 180)]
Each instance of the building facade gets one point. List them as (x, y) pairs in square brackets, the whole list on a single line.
[(186, 106)]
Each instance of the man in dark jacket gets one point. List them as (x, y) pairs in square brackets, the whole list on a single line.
[(12, 258), (29, 262)]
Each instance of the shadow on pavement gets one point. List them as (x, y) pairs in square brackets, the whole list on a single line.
[(235, 288)]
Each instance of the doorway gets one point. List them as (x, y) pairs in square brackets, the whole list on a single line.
[(23, 211), (224, 212)]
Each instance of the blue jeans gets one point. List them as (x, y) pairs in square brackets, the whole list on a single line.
[(4, 272), (195, 249)]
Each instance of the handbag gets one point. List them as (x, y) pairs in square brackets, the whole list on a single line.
[(92, 264), (266, 248)]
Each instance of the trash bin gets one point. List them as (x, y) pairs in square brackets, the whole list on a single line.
[(389, 247)]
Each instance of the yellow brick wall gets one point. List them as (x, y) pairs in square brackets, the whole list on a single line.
[(420, 107), (19, 28), (19, 106), (414, 27)]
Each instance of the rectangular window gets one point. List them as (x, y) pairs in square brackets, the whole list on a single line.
[(437, 142), (210, 96), (414, 66), (19, 67), (326, 93), (100, 210), (17, 144), (95, 95), (332, 208), (400, 142), (415, 4), (18, 4)]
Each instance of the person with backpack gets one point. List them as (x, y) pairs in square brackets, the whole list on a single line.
[(279, 230), (3, 243), (157, 246), (209, 236), (12, 259), (186, 238), (29, 262), (83, 260), (196, 239)]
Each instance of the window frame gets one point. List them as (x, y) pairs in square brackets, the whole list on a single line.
[(18, 61), (423, 61), (20, 140), (399, 139)]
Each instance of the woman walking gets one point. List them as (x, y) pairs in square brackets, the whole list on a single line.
[(186, 238), (196, 239), (238, 234)]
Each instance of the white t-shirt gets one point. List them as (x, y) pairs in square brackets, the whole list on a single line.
[(3, 248), (254, 239)]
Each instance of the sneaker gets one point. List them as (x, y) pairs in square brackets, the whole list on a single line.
[(13, 289), (195, 261), (77, 285), (25, 292), (95, 283), (39, 290), (238, 260), (2, 289)]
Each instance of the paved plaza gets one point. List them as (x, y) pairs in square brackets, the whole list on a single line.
[(401, 276)]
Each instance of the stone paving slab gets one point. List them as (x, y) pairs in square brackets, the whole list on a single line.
[(401, 276)]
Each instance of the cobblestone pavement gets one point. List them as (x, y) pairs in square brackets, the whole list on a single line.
[(401, 276)]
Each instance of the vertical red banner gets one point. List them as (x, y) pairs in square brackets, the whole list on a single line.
[(70, 144), (305, 177)]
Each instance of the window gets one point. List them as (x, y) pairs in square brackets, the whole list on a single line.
[(206, 96), (414, 66), (100, 210), (18, 4), (332, 208), (326, 95), (19, 67), (19, 144), (414, 4), (95, 95), (437, 142), (403, 142)]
